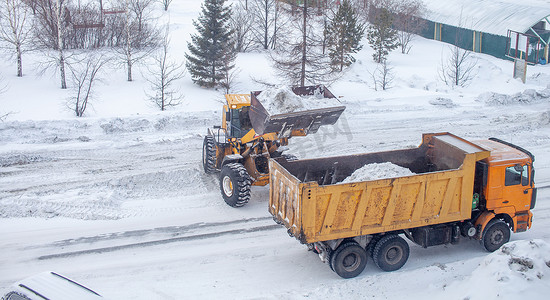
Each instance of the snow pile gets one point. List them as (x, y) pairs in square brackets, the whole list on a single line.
[(377, 171), (281, 100), (544, 118), (19, 159), (440, 101), (526, 97), (517, 270)]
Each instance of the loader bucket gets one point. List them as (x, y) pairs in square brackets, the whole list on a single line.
[(284, 124)]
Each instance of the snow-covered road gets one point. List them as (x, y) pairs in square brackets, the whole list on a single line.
[(124, 206)]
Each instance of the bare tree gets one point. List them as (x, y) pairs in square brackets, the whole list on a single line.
[(15, 28), (31, 4), (61, 27), (141, 9), (383, 75), (51, 24), (407, 19), (163, 74), (241, 22), (268, 22), (300, 59), (84, 75), (165, 4), (137, 43), (229, 76), (458, 68)]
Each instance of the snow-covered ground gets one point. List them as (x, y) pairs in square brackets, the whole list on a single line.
[(118, 200)]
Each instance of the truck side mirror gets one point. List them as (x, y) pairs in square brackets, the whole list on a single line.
[(227, 116)]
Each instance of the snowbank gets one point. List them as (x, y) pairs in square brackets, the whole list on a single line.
[(281, 100), (526, 97), (377, 171), (517, 270)]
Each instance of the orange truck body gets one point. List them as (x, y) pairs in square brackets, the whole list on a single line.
[(450, 173)]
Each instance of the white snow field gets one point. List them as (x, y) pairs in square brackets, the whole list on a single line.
[(118, 200)]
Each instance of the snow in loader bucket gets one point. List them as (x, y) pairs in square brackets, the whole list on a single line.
[(316, 106)]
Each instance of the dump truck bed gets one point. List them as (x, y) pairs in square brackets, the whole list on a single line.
[(306, 195)]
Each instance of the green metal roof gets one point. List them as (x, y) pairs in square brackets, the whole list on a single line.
[(491, 16)]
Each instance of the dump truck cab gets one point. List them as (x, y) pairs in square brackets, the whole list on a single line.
[(507, 185)]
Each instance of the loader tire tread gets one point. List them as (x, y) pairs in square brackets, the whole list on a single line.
[(209, 155), (241, 182)]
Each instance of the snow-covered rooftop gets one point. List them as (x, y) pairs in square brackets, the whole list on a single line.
[(491, 16)]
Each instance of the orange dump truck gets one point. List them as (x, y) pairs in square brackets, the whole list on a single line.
[(478, 190)]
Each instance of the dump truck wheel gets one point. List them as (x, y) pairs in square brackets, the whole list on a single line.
[(235, 184), (390, 253), (370, 246), (496, 234), (209, 155), (348, 260)]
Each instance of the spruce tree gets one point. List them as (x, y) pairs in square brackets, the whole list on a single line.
[(211, 52), (344, 35), (381, 36)]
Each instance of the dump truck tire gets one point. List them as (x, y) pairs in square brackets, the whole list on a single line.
[(496, 234), (390, 253), (209, 155), (235, 184), (348, 260)]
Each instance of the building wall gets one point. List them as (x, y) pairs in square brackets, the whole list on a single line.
[(487, 43)]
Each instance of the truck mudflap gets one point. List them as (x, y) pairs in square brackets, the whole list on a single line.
[(309, 120)]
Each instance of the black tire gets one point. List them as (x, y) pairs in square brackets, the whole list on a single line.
[(348, 260), (209, 155), (370, 246), (496, 234), (235, 184), (390, 253)]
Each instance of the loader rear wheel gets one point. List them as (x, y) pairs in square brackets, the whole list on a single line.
[(496, 234), (209, 155), (235, 184), (348, 260), (390, 253)]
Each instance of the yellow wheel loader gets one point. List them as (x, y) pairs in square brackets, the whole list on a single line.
[(240, 148)]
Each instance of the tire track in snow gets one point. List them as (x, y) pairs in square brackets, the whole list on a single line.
[(161, 242)]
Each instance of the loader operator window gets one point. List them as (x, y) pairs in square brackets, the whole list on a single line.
[(240, 122), (516, 175)]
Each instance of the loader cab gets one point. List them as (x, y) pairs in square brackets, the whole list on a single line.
[(508, 186), (235, 118)]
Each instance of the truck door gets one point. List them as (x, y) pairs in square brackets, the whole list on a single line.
[(517, 189)]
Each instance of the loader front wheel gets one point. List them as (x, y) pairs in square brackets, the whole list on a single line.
[(235, 184), (209, 155), (348, 260), (390, 253), (496, 234)]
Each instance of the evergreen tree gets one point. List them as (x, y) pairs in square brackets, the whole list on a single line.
[(211, 51), (381, 36), (344, 35)]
